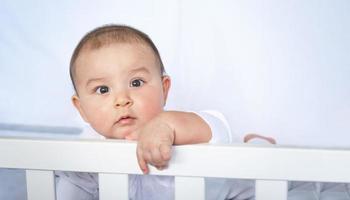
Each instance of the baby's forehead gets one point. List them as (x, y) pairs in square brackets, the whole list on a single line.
[(118, 50), (108, 35), (135, 54), (96, 43)]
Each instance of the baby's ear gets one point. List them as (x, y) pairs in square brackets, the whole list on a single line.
[(166, 82), (76, 103)]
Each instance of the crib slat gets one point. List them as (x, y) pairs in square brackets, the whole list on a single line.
[(40, 185), (189, 188), (113, 186), (267, 190)]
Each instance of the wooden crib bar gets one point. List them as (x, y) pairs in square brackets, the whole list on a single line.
[(271, 166), (189, 188), (267, 190), (113, 186), (40, 185)]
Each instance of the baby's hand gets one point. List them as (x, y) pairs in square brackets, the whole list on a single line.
[(155, 141)]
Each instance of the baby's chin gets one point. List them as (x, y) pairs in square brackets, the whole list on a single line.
[(116, 133), (120, 134)]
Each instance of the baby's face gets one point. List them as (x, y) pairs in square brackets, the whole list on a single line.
[(120, 88)]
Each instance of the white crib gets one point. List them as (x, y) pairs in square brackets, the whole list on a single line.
[(270, 166)]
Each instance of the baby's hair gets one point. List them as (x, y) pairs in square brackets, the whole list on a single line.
[(109, 34)]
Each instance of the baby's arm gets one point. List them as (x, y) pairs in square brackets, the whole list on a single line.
[(156, 138)]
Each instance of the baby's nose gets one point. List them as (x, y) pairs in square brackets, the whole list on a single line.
[(123, 102)]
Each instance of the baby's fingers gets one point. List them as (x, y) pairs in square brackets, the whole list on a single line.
[(252, 136), (157, 159), (165, 151), (142, 162), (163, 156)]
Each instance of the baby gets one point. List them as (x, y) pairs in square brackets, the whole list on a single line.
[(120, 90)]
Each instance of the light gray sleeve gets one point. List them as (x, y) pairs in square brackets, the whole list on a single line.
[(76, 186)]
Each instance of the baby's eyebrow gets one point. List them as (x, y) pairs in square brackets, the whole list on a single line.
[(139, 69), (94, 80)]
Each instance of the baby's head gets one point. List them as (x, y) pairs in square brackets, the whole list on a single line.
[(119, 80)]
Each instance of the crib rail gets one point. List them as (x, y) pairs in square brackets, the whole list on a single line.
[(271, 166)]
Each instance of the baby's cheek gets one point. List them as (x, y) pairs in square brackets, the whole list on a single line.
[(152, 112), (152, 109), (99, 120), (148, 103)]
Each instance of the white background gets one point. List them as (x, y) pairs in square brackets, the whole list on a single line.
[(279, 68)]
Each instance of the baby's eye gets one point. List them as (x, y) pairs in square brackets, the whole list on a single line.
[(136, 83), (102, 89)]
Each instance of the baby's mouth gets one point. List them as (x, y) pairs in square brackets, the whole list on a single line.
[(125, 120)]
